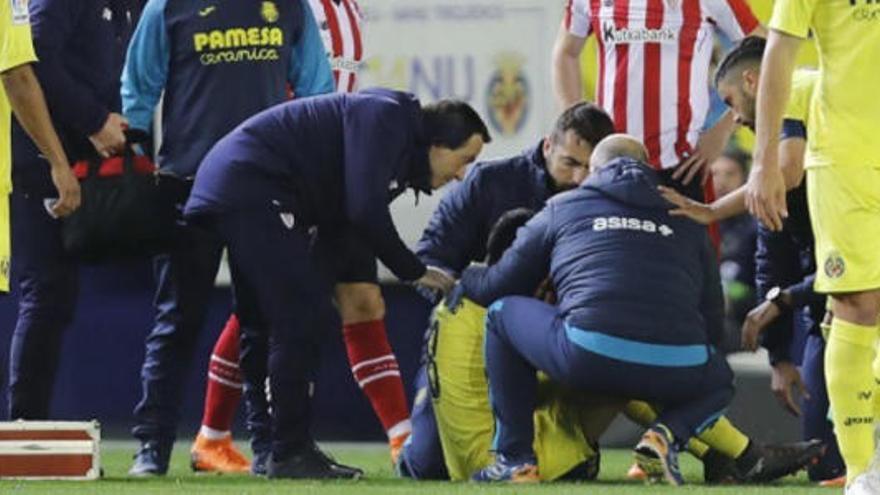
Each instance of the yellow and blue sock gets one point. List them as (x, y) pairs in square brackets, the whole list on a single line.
[(849, 372)]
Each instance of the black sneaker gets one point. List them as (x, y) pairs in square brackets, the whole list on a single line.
[(765, 463), (150, 460), (587, 470), (718, 469), (260, 463), (313, 464)]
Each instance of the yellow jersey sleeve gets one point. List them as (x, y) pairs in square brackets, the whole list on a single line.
[(793, 16), (16, 46), (802, 84)]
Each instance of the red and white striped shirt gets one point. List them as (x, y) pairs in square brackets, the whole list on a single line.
[(341, 22), (654, 60)]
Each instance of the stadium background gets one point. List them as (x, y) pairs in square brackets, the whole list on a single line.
[(495, 54)]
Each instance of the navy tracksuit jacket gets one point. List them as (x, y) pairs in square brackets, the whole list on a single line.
[(81, 46), (639, 309), (457, 232), (334, 161), (585, 239)]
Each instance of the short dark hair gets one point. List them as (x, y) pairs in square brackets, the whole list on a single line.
[(740, 157), (749, 50), (450, 123), (504, 232), (590, 122)]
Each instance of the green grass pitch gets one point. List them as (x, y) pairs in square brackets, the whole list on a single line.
[(379, 479)]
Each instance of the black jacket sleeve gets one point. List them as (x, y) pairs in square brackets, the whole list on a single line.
[(376, 144), (802, 293), (522, 267), (73, 104), (455, 234), (776, 264)]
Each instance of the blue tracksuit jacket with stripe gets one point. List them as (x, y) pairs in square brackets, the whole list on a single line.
[(620, 264), (218, 63)]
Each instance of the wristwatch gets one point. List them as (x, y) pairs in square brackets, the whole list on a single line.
[(776, 296)]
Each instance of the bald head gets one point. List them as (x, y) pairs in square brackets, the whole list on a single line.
[(617, 146)]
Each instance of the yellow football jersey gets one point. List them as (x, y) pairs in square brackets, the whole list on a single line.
[(465, 424), (844, 111), (803, 83), (16, 48)]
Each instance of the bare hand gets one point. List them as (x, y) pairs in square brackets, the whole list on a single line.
[(68, 190), (765, 196), (756, 322), (687, 207), (436, 279), (709, 147), (110, 139), (785, 382)]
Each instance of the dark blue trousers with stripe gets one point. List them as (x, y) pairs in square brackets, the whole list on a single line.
[(422, 454), (692, 384), (281, 299)]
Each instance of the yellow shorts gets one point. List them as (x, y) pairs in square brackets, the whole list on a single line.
[(845, 211), (5, 245), (564, 432)]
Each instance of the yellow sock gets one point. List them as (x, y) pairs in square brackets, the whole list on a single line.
[(640, 413), (877, 380), (696, 447), (849, 374), (725, 438)]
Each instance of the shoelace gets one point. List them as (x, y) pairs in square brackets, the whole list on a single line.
[(496, 471)]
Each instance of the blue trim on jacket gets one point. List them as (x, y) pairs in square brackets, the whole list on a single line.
[(631, 351)]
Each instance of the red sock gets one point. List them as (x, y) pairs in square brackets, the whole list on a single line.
[(224, 380), (375, 369)]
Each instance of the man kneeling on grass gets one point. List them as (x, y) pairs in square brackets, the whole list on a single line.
[(639, 310)]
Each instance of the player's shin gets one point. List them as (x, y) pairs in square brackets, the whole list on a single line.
[(851, 388)]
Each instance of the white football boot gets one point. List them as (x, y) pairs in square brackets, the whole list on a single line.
[(867, 483)]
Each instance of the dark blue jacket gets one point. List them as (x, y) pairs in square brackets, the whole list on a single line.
[(81, 46), (620, 264), (738, 243), (785, 259), (459, 227), (218, 63), (335, 160)]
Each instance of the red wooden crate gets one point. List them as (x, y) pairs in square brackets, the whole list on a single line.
[(50, 450)]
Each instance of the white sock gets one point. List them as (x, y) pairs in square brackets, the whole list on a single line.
[(399, 429), (212, 434)]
